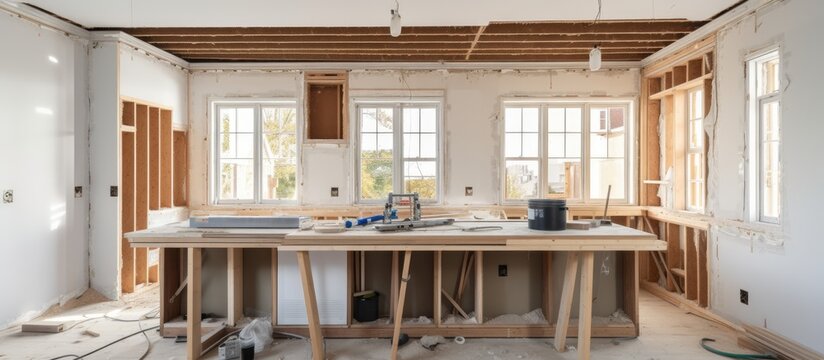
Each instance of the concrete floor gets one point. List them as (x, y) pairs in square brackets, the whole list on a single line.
[(666, 333)]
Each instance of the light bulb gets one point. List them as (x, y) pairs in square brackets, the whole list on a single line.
[(395, 23), (595, 59)]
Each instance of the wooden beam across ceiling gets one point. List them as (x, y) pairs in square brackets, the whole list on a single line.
[(528, 42)]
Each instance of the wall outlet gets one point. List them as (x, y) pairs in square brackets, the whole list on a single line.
[(113, 191), (334, 192), (78, 192), (502, 271), (8, 196), (744, 297), (468, 191)]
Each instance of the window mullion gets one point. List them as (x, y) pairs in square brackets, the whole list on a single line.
[(257, 155), (397, 133), (585, 153)]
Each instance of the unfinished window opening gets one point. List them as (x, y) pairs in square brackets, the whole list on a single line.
[(763, 72), (326, 107), (399, 150), (572, 151), (256, 152)]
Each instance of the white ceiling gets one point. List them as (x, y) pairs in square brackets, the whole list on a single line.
[(247, 13)]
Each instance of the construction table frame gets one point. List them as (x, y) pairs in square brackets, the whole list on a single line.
[(514, 236)]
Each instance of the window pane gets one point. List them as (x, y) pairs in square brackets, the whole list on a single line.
[(598, 145), (530, 119), (429, 120), (278, 180), (521, 179), (573, 120), (368, 120), (770, 180), (598, 120), (411, 145), (237, 179), (616, 144), (556, 120), (369, 143), (512, 145), (227, 120), (530, 145), (227, 145), (555, 144), (376, 178), (429, 145), (411, 120), (385, 119), (512, 120), (573, 145), (564, 178), (696, 134), (770, 77), (420, 177), (246, 120), (605, 172), (770, 114), (245, 146), (385, 143)]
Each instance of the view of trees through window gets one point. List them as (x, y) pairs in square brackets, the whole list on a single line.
[(257, 152)]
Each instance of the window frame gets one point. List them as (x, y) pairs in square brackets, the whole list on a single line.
[(585, 104), (398, 104), (257, 104), (689, 150), (755, 132)]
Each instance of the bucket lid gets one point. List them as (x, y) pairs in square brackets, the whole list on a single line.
[(546, 202)]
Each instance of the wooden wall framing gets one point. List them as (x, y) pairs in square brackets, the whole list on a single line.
[(153, 172), (327, 114)]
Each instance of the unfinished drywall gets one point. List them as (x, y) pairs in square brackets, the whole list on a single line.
[(781, 267), (43, 156), (155, 81)]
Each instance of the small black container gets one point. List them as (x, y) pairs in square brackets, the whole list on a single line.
[(366, 308), (547, 214)]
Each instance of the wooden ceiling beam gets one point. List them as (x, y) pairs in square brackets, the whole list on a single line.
[(298, 31), (402, 53), (613, 27), (411, 47), (407, 57)]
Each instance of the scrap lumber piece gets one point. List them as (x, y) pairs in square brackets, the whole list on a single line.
[(454, 304), (43, 326), (781, 345)]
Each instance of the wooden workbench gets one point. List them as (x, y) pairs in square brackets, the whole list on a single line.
[(513, 236)]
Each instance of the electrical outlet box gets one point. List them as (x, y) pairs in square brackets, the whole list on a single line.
[(113, 191), (502, 271), (8, 196), (468, 191), (78, 192), (334, 192), (745, 297)]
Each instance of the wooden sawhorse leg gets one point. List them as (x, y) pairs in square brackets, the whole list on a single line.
[(193, 333), (396, 333), (315, 334), (585, 305)]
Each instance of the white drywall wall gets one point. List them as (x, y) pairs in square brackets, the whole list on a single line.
[(784, 282), (43, 156), (146, 78), (472, 102), (104, 142)]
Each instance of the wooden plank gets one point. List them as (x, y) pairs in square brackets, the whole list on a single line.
[(782, 345), (479, 286), (180, 167), (275, 286), (394, 286), (193, 309), (464, 280), (468, 331), (154, 158), (691, 265), (350, 285), (565, 307), (546, 283), (687, 305), (703, 270), (438, 284), (673, 259), (629, 281), (459, 283), (141, 192), (455, 304), (169, 267), (315, 334), (234, 286), (407, 260), (165, 158), (127, 210), (585, 307)]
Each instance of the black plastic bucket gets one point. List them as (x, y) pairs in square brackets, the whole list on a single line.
[(366, 308), (547, 214)]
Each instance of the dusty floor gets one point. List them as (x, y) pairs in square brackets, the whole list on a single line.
[(666, 333)]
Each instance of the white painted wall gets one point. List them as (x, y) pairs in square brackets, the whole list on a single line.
[(148, 79), (43, 156), (784, 282), (472, 102)]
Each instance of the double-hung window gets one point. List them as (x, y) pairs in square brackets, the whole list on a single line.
[(695, 150), (574, 151), (255, 152), (764, 136), (398, 149)]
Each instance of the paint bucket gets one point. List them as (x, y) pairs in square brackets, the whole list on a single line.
[(547, 214), (366, 308)]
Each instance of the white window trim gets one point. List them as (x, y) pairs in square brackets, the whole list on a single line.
[(630, 155), (690, 150), (214, 158), (397, 104), (754, 132)]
